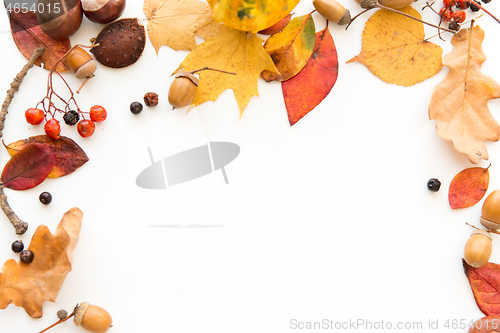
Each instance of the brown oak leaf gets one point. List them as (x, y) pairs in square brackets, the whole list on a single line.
[(28, 285), (459, 103)]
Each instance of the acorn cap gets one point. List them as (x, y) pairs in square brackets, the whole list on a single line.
[(188, 75), (481, 232), (86, 70), (489, 224), (120, 44), (80, 312)]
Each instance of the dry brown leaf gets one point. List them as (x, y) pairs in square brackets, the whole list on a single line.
[(233, 51), (395, 48), (459, 103), (28, 285), (174, 22)]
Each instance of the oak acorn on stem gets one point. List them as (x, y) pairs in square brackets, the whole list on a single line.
[(332, 11), (490, 213), (478, 248), (92, 318), (183, 88)]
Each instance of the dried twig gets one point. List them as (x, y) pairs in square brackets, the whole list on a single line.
[(19, 225)]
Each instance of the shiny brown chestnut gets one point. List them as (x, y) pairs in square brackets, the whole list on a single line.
[(60, 18), (490, 213), (103, 11)]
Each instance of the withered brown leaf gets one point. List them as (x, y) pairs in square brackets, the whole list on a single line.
[(28, 285)]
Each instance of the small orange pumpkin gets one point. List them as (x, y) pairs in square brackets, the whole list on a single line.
[(251, 15)]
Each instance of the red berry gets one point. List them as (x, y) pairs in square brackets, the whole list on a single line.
[(52, 129), (98, 113), (446, 14), (85, 128), (448, 3), (34, 116), (459, 16), (462, 4)]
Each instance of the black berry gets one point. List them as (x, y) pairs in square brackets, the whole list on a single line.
[(71, 117), (17, 246), (454, 26), (27, 256), (474, 8), (135, 107), (45, 198), (433, 185), (486, 1)]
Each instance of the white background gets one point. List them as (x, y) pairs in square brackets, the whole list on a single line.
[(328, 219)]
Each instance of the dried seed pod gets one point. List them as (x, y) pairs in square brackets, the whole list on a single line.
[(81, 63), (333, 11), (92, 318), (60, 23), (151, 99), (120, 44), (182, 90)]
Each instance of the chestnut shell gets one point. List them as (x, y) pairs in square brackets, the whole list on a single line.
[(109, 12), (120, 43), (63, 23)]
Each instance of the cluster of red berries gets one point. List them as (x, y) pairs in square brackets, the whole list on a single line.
[(85, 127), (458, 16)]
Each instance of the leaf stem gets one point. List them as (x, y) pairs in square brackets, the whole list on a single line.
[(211, 69), (413, 17), (19, 225), (60, 321)]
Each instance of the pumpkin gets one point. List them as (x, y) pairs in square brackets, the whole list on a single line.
[(251, 15)]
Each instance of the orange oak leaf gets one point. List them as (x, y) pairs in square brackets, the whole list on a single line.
[(277, 27), (69, 155), (468, 187), (291, 48), (28, 285), (313, 83), (459, 103), (485, 285), (395, 48), (232, 51), (174, 22), (28, 36), (29, 167)]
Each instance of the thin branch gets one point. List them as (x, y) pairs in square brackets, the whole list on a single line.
[(19, 225)]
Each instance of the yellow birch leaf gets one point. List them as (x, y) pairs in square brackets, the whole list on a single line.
[(395, 49), (459, 103), (174, 22), (232, 51)]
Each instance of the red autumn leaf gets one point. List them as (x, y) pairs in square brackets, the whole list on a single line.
[(313, 83), (485, 285), (28, 36), (277, 27), (29, 167), (488, 324), (468, 187), (69, 155)]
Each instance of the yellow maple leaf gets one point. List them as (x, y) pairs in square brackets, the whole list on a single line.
[(232, 51), (174, 22), (395, 49), (459, 102)]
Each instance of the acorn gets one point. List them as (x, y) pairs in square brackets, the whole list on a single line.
[(60, 18), (182, 89), (103, 11), (81, 63), (332, 11), (92, 318), (478, 248), (490, 213)]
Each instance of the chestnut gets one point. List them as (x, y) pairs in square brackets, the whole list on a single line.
[(490, 213), (60, 18), (103, 11)]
